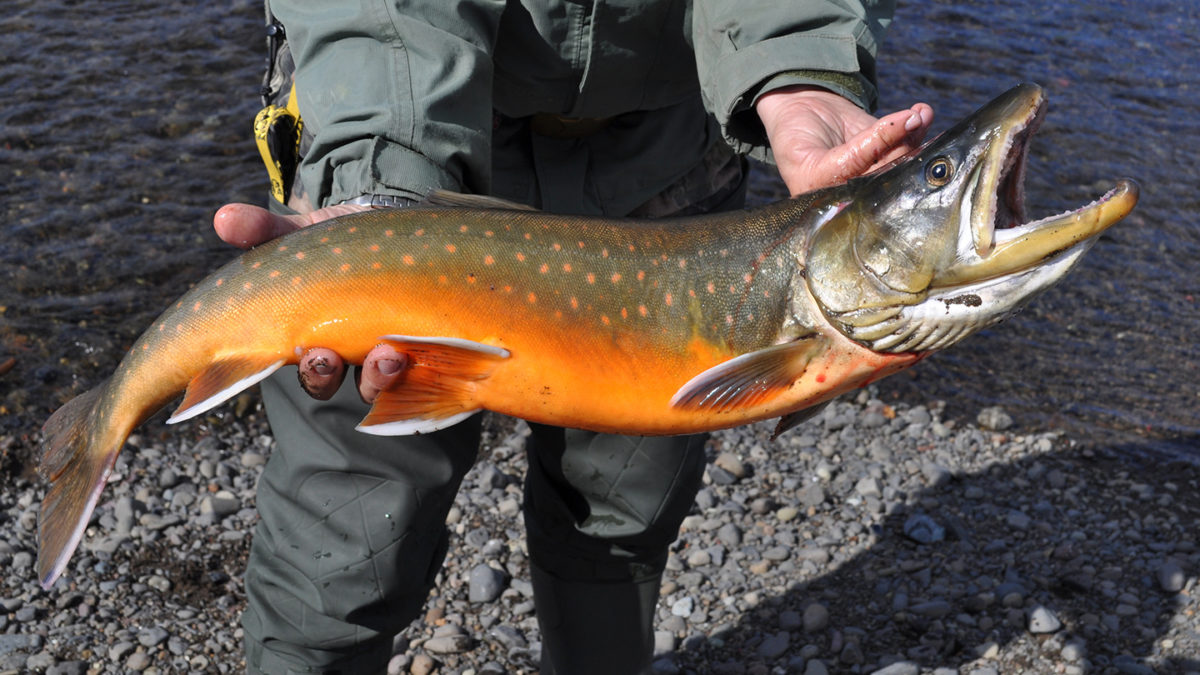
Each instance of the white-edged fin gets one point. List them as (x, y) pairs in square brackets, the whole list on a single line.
[(750, 379), (456, 343), (414, 426), (220, 382), (436, 389)]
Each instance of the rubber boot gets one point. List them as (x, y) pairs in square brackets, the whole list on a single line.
[(613, 635)]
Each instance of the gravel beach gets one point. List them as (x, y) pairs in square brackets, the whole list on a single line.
[(875, 538)]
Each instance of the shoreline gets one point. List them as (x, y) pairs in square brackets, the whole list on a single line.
[(874, 537)]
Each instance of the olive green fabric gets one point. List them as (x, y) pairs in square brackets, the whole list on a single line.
[(351, 528), (403, 98), (439, 95)]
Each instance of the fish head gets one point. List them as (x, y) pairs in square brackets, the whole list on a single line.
[(936, 246)]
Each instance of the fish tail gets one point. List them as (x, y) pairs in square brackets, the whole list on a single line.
[(80, 446)]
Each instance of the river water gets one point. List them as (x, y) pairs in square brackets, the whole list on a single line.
[(124, 125)]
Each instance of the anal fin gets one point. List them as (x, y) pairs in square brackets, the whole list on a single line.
[(750, 379), (222, 380), (437, 388)]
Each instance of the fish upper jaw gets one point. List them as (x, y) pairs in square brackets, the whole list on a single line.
[(995, 238), (915, 267)]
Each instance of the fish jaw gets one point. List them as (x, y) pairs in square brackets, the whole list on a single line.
[(919, 259)]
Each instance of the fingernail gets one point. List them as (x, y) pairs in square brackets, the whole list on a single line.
[(913, 122), (320, 365), (388, 366)]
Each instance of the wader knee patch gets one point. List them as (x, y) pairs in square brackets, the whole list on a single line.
[(352, 548)]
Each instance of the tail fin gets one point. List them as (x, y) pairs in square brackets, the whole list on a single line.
[(77, 458)]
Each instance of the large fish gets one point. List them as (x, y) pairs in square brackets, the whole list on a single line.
[(641, 327)]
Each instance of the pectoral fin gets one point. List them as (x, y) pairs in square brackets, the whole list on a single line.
[(221, 381), (750, 379), (438, 386)]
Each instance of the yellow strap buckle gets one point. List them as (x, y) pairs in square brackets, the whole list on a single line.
[(277, 134)]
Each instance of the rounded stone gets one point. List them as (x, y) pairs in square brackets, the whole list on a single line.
[(1042, 620), (485, 583), (774, 646), (816, 618)]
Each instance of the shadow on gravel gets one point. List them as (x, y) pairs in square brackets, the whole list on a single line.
[(1078, 543)]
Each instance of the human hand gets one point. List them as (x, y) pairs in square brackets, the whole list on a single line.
[(321, 370), (820, 139)]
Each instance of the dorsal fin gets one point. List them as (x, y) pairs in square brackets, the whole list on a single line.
[(458, 199)]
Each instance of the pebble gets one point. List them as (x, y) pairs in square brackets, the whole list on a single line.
[(816, 618), (899, 668), (934, 608), (994, 418), (150, 637), (774, 646), (486, 583), (448, 644), (818, 552), (1170, 576), (422, 664), (790, 620), (664, 642), (1042, 620), (138, 661), (683, 607), (731, 464), (508, 636), (787, 514), (923, 529), (730, 535), (812, 495), (868, 486)]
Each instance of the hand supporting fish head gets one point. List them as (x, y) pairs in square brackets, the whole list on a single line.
[(936, 247)]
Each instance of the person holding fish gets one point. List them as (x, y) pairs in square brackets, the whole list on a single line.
[(635, 108)]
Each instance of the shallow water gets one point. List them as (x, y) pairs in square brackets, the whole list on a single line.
[(126, 124)]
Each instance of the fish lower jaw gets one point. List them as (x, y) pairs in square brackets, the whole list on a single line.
[(946, 316)]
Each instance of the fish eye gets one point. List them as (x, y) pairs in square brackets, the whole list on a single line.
[(939, 171)]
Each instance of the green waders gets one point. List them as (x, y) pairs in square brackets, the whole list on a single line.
[(352, 534), (352, 527)]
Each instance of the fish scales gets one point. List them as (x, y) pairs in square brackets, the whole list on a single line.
[(645, 327)]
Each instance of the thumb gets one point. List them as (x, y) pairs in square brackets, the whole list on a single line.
[(245, 226)]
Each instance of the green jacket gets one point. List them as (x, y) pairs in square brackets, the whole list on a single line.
[(437, 94)]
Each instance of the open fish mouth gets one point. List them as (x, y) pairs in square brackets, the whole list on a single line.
[(1001, 260), (997, 238)]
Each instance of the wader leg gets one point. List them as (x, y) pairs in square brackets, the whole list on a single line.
[(352, 532), (600, 513)]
